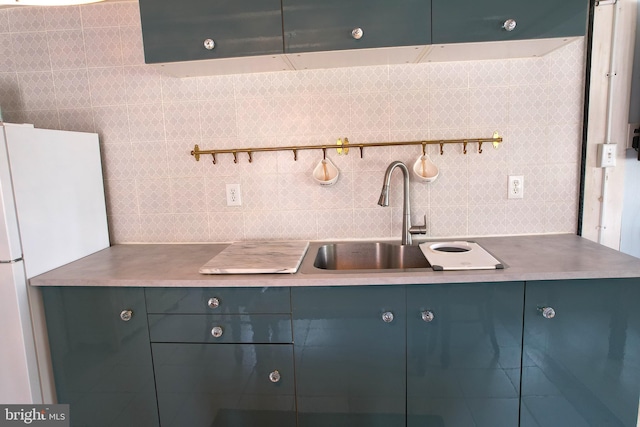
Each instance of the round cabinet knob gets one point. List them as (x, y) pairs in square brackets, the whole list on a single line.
[(209, 44), (213, 303), (274, 376), (357, 33), (217, 331), (126, 315), (547, 312), (509, 25), (387, 317), (427, 315)]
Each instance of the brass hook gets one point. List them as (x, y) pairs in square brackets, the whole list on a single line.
[(480, 147), (441, 148), (235, 157), (214, 157), (361, 152), (424, 145), (464, 147), (250, 156), (324, 153), (295, 155)]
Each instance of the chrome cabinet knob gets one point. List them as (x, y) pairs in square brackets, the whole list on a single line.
[(126, 315), (387, 317), (427, 315), (509, 25), (274, 376), (547, 312), (213, 303), (217, 331), (209, 44), (357, 33)]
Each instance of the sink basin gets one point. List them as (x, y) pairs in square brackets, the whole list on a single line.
[(359, 256)]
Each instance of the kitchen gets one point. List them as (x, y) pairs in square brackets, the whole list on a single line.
[(82, 68)]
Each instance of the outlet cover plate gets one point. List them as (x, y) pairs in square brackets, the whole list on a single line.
[(515, 189)]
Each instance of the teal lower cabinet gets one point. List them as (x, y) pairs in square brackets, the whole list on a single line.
[(101, 357), (561, 353), (463, 354), (350, 356), (581, 358), (223, 363), (225, 385)]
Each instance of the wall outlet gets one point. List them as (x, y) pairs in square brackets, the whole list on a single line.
[(516, 187), (606, 155), (233, 195)]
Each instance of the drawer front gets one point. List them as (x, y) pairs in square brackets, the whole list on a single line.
[(225, 385), (218, 300), (226, 328)]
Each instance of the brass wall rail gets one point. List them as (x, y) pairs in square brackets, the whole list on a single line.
[(342, 147)]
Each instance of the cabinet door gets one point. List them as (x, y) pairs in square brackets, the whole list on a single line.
[(311, 25), (457, 21), (177, 30), (464, 346), (101, 363), (581, 367), (225, 385), (350, 363)]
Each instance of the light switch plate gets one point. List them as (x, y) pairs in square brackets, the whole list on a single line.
[(606, 155)]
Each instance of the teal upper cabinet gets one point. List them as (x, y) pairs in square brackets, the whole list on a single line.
[(581, 357), (204, 29), (458, 21), (464, 350), (101, 356), (312, 26), (350, 356)]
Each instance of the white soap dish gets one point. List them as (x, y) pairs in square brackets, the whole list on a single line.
[(326, 173), (425, 169)]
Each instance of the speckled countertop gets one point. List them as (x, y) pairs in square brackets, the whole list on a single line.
[(542, 257)]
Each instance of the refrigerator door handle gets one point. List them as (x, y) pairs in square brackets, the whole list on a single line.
[(11, 261)]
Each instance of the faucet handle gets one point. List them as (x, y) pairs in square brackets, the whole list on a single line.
[(419, 229)]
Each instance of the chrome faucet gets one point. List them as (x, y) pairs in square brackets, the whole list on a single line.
[(407, 229)]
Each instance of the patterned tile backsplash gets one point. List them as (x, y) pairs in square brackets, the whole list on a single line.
[(82, 68)]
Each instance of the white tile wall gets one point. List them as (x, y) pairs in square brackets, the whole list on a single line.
[(82, 68)]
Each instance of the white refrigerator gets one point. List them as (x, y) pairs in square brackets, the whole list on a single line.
[(52, 212)]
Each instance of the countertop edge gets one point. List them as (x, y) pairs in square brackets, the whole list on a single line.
[(528, 258)]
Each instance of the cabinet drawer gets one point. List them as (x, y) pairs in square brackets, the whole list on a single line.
[(218, 300), (226, 328), (236, 385)]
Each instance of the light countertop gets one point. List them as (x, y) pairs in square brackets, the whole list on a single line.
[(540, 257)]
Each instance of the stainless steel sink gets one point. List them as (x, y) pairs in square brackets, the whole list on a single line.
[(362, 256)]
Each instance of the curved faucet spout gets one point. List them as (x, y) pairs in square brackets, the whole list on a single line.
[(406, 208), (407, 230)]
